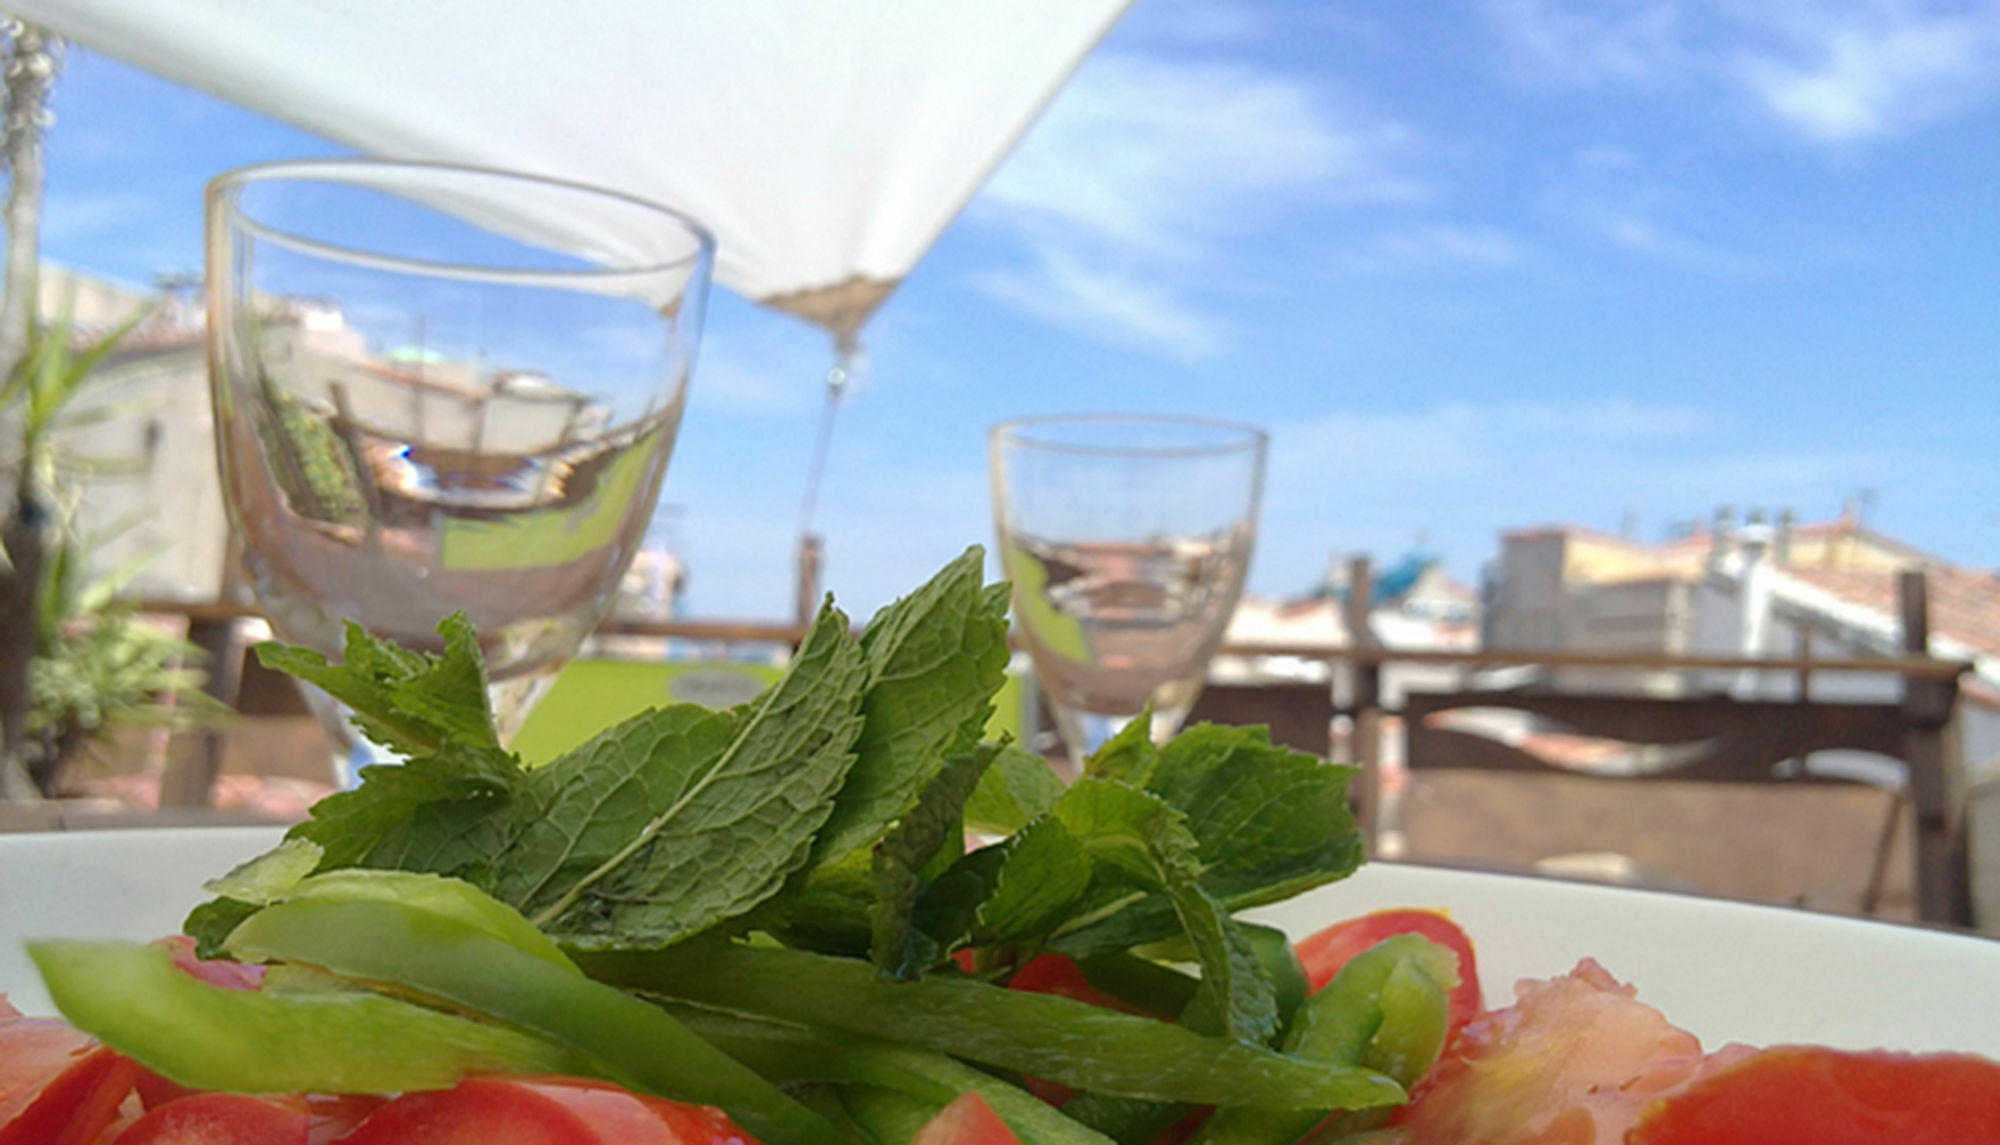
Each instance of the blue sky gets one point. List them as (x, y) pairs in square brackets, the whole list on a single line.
[(1476, 264)]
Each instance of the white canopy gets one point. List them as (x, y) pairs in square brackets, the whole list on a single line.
[(827, 143)]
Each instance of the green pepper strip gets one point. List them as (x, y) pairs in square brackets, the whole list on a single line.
[(1055, 1038), (1130, 1121), (790, 1055), (1387, 1009), (132, 998), (444, 958), (887, 1116)]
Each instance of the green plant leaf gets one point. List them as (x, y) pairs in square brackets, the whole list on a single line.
[(681, 818), (414, 702), (904, 859), (935, 659), (1139, 835), (1017, 789)]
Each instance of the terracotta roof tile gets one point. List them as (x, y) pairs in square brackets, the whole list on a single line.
[(1964, 603)]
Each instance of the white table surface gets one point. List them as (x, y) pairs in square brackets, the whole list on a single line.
[(1727, 971)]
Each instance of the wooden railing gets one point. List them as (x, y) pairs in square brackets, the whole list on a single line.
[(1746, 737)]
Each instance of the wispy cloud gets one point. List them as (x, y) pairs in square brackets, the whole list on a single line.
[(1148, 165), (1833, 71), (1609, 196), (1845, 72), (1583, 43), (736, 378), (1432, 246), (1107, 303), (1452, 442), (81, 216)]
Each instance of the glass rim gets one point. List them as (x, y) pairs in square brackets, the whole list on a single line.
[(1236, 436), (223, 191)]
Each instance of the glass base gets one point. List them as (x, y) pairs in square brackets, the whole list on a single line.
[(1084, 732)]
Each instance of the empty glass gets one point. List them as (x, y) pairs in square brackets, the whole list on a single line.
[(440, 389), (1127, 539)]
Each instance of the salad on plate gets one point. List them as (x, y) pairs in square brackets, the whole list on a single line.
[(836, 914)]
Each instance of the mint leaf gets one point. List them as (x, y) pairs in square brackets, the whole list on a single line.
[(827, 910), (1271, 822), (1129, 756), (210, 923), (420, 815), (1047, 872), (903, 860), (1017, 789), (935, 659), (414, 702), (1140, 836), (681, 818)]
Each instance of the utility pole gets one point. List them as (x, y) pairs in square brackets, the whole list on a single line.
[(31, 61)]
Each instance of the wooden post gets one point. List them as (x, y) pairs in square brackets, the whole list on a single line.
[(189, 779), (1937, 799), (1367, 698), (811, 555)]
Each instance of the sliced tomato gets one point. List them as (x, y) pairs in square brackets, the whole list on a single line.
[(76, 1105), (1809, 1096), (33, 1053), (1576, 1059), (1325, 952), (222, 1119), (1059, 975), (539, 1111), (336, 1115), (968, 1120), (155, 1090), (215, 972)]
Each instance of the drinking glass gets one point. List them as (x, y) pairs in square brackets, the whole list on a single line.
[(444, 389), (1127, 539)]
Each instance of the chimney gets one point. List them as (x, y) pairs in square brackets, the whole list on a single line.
[(1781, 548), (1756, 537), (1722, 534)]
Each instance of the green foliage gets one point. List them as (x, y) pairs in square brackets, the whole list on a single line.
[(40, 395), (98, 668), (95, 667)]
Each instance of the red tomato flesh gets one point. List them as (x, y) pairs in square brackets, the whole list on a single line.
[(1793, 1095), (222, 1119), (1325, 952), (537, 1111), (34, 1053), (75, 1106), (968, 1120)]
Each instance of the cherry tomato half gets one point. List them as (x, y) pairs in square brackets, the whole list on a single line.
[(540, 1111), (1325, 952), (1794, 1095), (57, 1085), (968, 1120), (222, 1119)]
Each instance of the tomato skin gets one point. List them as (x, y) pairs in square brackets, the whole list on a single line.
[(215, 972), (222, 1119), (1326, 951), (968, 1120), (1059, 975), (75, 1106), (1794, 1095), (33, 1053), (540, 1111)]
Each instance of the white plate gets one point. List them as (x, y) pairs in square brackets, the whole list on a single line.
[(1726, 971)]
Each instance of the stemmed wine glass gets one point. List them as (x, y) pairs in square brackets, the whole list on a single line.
[(440, 388), (1127, 539)]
